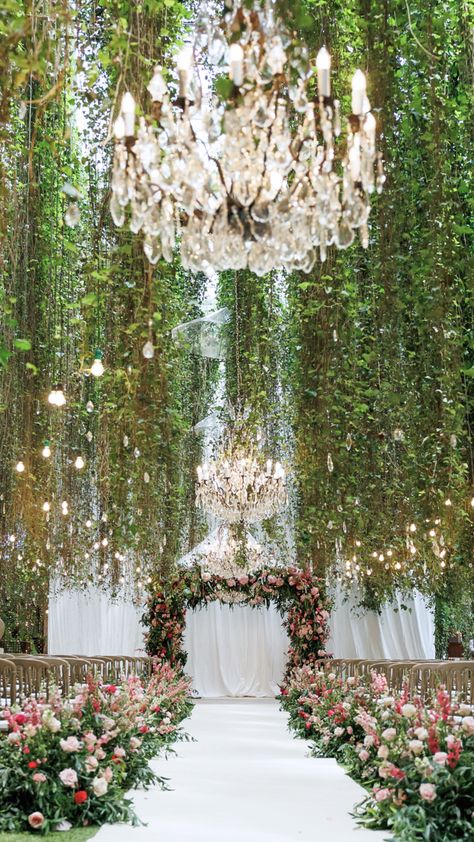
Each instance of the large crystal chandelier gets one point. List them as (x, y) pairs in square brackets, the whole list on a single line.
[(239, 488), (250, 175)]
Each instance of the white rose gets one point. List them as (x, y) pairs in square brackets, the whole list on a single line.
[(421, 733), (409, 710), (100, 786)]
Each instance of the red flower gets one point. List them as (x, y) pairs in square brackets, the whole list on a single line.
[(32, 764), (20, 718), (80, 796), (26, 749), (111, 689)]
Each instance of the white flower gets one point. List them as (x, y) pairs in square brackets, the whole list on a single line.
[(14, 737), (468, 725), (100, 786), (409, 710), (338, 732), (368, 740), (416, 746)]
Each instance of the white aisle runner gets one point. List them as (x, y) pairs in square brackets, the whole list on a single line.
[(245, 780)]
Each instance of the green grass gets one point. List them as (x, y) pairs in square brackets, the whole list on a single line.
[(76, 834)]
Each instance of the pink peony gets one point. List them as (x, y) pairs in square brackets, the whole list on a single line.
[(243, 580), (440, 757), (36, 820), (427, 792), (68, 777), (39, 778)]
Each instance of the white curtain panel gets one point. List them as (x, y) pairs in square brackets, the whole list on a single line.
[(88, 623), (235, 651), (394, 633)]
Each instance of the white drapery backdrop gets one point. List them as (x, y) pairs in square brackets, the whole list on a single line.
[(89, 623), (236, 651)]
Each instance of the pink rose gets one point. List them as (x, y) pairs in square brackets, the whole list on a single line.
[(231, 583), (383, 794), (427, 792), (468, 725), (440, 757), (70, 745), (383, 752), (120, 752), (416, 746), (36, 819), (135, 742), (68, 777), (389, 734), (91, 763), (100, 753), (364, 755), (39, 778), (108, 774)]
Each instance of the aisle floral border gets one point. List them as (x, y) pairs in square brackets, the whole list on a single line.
[(298, 595)]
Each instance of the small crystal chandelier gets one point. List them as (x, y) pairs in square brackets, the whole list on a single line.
[(249, 177), (239, 488), (234, 553)]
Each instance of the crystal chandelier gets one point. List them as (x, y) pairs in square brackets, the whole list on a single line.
[(239, 488), (233, 554), (253, 175)]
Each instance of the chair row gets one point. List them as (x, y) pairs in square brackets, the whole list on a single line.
[(422, 677), (24, 675)]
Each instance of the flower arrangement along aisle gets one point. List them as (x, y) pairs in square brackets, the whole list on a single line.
[(416, 758), (297, 594), (68, 762)]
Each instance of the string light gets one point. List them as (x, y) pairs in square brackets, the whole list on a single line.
[(65, 507), (56, 396), (46, 452), (46, 506), (79, 463), (412, 527), (20, 467), (97, 367), (148, 350)]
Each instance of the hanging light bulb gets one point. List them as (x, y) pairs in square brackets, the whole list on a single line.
[(148, 350), (79, 463), (412, 527), (472, 502), (448, 502), (20, 467), (46, 452), (97, 367), (90, 406), (56, 396), (104, 542), (46, 506), (65, 507), (88, 524)]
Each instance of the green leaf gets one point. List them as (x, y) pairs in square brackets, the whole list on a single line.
[(22, 344)]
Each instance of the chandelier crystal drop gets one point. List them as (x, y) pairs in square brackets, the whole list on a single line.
[(252, 175), (239, 488)]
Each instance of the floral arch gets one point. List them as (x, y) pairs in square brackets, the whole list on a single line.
[(298, 595)]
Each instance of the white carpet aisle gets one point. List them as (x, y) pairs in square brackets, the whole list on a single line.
[(245, 780)]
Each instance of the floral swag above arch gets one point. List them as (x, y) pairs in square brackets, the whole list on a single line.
[(298, 595)]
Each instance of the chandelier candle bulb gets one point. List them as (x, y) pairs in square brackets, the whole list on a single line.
[(236, 64), (20, 467), (359, 85), (127, 109), (184, 62), (323, 66), (119, 128), (157, 87)]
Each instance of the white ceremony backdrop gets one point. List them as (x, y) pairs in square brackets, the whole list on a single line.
[(235, 651)]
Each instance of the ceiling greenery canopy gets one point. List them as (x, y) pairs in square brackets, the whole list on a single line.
[(357, 374)]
